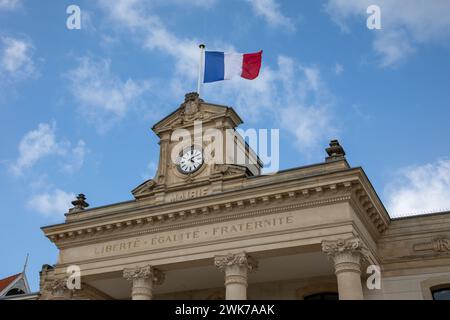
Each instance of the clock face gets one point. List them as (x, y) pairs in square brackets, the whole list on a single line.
[(190, 161)]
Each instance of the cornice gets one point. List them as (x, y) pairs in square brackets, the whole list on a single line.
[(205, 213), (368, 207), (283, 180)]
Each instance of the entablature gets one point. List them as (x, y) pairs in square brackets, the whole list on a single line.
[(292, 195)]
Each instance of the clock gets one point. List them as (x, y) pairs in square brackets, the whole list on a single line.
[(191, 160)]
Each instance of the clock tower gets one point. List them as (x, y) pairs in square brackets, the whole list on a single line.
[(201, 153)]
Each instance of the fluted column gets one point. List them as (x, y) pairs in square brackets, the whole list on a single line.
[(143, 279), (347, 255), (236, 268)]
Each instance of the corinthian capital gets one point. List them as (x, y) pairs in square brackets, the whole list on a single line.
[(342, 245), (144, 272), (345, 253), (240, 259)]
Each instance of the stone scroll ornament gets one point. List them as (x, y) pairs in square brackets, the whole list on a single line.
[(437, 245), (144, 273), (343, 246), (240, 259)]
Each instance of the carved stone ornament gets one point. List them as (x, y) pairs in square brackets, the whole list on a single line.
[(79, 204), (229, 170), (239, 259), (351, 245), (437, 245), (335, 151), (191, 108), (137, 273), (144, 273), (57, 288), (347, 254)]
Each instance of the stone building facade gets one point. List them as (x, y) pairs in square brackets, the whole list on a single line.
[(226, 231)]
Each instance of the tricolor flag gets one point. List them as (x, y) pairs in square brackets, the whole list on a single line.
[(224, 66)]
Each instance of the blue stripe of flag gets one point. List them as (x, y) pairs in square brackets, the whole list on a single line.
[(214, 66)]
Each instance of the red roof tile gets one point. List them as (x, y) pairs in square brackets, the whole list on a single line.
[(7, 281)]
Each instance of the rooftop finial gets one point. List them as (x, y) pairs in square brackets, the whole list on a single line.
[(79, 204), (191, 96), (335, 151)]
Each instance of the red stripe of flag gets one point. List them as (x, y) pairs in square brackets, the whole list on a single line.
[(251, 64)]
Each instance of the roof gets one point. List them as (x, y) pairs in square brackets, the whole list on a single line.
[(7, 281), (26, 296), (421, 215)]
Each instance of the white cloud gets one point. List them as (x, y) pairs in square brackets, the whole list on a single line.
[(312, 77), (195, 3), (405, 24), (338, 68), (15, 58), (293, 96), (309, 124), (291, 90), (75, 159), (270, 11), (51, 204), (420, 189), (393, 47), (35, 145), (9, 4), (153, 35), (150, 171), (42, 142), (103, 97)]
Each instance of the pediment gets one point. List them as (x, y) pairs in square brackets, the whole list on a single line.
[(144, 189), (195, 109), (229, 170)]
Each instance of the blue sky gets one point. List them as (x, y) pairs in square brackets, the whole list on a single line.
[(77, 105)]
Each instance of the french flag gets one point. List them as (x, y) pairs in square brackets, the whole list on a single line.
[(224, 66)]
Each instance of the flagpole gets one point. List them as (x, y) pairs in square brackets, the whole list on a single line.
[(26, 262), (200, 69)]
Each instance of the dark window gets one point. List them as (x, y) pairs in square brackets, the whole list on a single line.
[(14, 291), (323, 296), (441, 294)]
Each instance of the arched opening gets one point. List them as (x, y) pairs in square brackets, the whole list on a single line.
[(441, 292), (14, 291)]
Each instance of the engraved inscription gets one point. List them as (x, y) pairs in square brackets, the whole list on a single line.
[(438, 245), (187, 194), (212, 232)]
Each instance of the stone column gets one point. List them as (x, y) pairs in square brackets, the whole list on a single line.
[(143, 279), (347, 255), (236, 268)]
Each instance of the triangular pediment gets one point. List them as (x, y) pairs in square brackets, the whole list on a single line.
[(144, 189), (195, 109)]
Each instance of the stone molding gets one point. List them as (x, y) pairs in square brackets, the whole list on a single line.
[(319, 195)]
